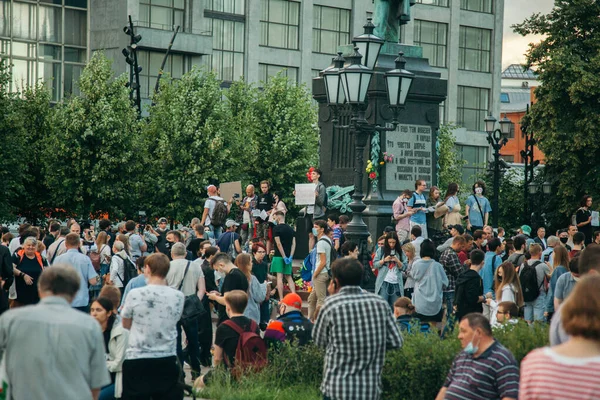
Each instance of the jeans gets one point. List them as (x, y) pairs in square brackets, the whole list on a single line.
[(449, 300), (193, 347), (390, 293), (152, 378), (107, 392), (534, 310), (216, 230)]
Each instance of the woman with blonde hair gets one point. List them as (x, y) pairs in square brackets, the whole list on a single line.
[(577, 360), (103, 249), (125, 240), (508, 288), (560, 266), (409, 283), (257, 292), (453, 217)]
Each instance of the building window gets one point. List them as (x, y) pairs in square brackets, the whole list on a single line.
[(433, 38), (24, 21), (150, 61), (228, 49), (484, 6), (75, 27), (473, 104), (474, 49), (279, 24), (504, 98), (439, 3), (476, 159), (266, 71), (331, 29), (162, 14), (226, 6), (508, 158)]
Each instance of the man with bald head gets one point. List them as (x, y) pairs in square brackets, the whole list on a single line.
[(248, 205), (209, 207)]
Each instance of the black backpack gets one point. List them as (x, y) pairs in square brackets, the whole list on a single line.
[(219, 213), (529, 283), (129, 271)]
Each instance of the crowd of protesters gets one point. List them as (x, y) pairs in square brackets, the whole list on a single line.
[(153, 296)]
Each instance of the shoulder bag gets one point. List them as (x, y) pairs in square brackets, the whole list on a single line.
[(480, 210), (192, 306)]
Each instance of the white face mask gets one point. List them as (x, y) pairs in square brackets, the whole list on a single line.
[(479, 190)]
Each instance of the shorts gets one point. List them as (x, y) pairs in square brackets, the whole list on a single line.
[(279, 266)]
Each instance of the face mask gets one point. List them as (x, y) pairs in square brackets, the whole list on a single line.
[(275, 222), (499, 278), (564, 240), (478, 190), (471, 348), (405, 200), (315, 232), (484, 242)]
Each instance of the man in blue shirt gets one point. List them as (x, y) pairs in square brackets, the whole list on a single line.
[(491, 262), (84, 267), (418, 204)]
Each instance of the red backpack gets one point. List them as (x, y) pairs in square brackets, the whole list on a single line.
[(251, 352)]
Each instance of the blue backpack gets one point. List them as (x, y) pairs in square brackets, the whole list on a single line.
[(308, 265)]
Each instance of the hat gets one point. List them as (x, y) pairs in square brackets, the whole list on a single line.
[(161, 220), (229, 223), (526, 230), (459, 228), (292, 300)]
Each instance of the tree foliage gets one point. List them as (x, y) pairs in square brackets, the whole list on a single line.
[(91, 159), (565, 117), (449, 160)]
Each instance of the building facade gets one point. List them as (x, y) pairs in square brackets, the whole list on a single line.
[(255, 39)]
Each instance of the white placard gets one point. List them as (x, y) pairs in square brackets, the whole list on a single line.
[(595, 218), (305, 194)]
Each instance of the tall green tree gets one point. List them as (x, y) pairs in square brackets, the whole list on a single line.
[(92, 158), (565, 117), (13, 156), (449, 161), (189, 144), (288, 135)]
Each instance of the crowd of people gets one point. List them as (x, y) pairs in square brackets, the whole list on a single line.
[(152, 294)]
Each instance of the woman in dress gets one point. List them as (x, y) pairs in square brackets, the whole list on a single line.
[(453, 217)]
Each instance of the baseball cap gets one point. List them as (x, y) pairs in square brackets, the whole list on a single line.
[(292, 300), (459, 228), (229, 223), (161, 220)]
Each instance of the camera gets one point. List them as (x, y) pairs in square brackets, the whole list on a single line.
[(143, 220), (236, 196)]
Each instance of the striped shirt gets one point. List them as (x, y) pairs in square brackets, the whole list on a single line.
[(492, 375), (548, 375), (356, 328)]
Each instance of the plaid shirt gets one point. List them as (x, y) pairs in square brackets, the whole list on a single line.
[(355, 328), (452, 267)]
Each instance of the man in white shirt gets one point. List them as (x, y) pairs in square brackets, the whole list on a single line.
[(151, 314), (209, 207), (188, 278)]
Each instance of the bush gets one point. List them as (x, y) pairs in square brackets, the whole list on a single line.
[(416, 371)]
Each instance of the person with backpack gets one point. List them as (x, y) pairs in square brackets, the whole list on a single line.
[(215, 212), (404, 311), (325, 255), (188, 278), (317, 211), (120, 273), (534, 276), (477, 208), (229, 242), (100, 255), (28, 265), (83, 265), (417, 204), (291, 325), (238, 346)]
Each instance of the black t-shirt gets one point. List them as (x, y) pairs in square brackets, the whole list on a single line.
[(265, 202), (234, 280), (583, 216), (27, 294), (209, 277), (161, 244), (48, 240), (227, 339), (194, 247), (260, 270), (286, 234)]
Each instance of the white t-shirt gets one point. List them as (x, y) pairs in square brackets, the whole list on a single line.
[(175, 275), (391, 276), (210, 204), (324, 246), (155, 311)]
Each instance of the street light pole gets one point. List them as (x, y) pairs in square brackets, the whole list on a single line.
[(497, 138), (529, 162), (355, 79)]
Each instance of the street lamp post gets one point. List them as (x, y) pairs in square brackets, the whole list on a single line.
[(533, 188), (496, 138), (529, 163), (347, 87)]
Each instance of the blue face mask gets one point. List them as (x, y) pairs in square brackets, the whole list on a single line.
[(315, 232), (471, 348)]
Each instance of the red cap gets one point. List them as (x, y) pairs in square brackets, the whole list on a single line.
[(292, 300)]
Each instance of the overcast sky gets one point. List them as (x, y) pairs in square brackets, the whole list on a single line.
[(515, 11)]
